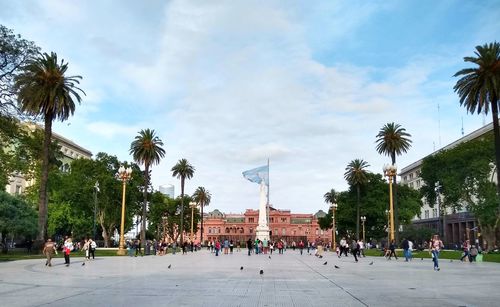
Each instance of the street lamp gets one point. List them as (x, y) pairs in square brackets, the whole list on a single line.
[(334, 244), (96, 190), (363, 220), (390, 171), (388, 222), (192, 205), (124, 174), (441, 213)]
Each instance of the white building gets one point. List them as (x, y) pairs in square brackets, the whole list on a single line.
[(459, 224), (168, 189)]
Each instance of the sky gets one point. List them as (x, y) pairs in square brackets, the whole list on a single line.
[(229, 84)]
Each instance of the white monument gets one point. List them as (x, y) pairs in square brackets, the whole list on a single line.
[(260, 175), (262, 230)]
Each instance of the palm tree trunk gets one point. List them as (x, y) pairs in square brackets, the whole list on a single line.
[(145, 196), (42, 205), (182, 211), (357, 211), (201, 233), (496, 132)]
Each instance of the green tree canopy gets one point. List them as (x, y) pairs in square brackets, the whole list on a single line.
[(17, 217), (465, 176)]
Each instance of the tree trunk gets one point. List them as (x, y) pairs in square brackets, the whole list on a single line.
[(182, 210), (105, 236), (145, 195), (496, 132), (42, 202), (358, 192)]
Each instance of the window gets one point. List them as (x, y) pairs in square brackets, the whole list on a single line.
[(317, 231), (251, 220), (271, 220), (417, 173), (322, 232), (251, 230), (411, 176), (418, 183), (294, 232), (405, 178), (283, 231), (426, 214), (283, 219), (276, 231), (434, 212), (18, 189)]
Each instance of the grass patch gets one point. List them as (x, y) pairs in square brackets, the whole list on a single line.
[(446, 254), (23, 255)]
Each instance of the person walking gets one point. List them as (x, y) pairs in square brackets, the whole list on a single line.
[(92, 247), (217, 247), (249, 246), (434, 248), (392, 249), (231, 246), (301, 246), (68, 247), (355, 249), (86, 249), (49, 249), (466, 249), (361, 248), (405, 246), (410, 249)]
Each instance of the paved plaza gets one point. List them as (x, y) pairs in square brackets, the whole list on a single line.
[(201, 279)]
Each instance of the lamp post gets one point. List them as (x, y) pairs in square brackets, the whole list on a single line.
[(96, 189), (334, 243), (363, 220), (390, 171), (192, 205), (388, 222), (124, 174), (440, 211)]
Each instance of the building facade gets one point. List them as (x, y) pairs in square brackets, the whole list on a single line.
[(283, 224), (454, 226), (70, 151)]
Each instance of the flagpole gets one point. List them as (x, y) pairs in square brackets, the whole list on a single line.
[(268, 185)]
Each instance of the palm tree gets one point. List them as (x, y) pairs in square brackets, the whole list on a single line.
[(479, 88), (355, 174), (44, 90), (146, 149), (393, 140), (202, 197), (331, 198), (182, 170)]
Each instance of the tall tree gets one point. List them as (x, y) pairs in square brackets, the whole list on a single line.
[(202, 197), (182, 170), (44, 90), (479, 89), (146, 149), (14, 53), (393, 140), (356, 175)]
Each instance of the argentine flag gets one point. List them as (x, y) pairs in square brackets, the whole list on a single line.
[(258, 174)]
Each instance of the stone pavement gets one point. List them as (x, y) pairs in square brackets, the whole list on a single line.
[(201, 279)]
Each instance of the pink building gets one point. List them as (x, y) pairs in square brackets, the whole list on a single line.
[(283, 224)]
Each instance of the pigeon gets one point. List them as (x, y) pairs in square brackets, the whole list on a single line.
[(169, 266), (320, 256), (261, 272), (83, 263), (451, 260), (422, 258), (326, 262), (371, 263), (269, 257), (241, 268), (337, 267)]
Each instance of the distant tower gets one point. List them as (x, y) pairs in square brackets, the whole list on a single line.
[(168, 189)]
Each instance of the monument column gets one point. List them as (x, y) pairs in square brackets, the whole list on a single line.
[(262, 230)]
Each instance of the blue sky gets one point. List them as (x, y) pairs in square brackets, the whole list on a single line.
[(228, 84)]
